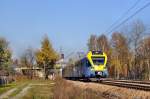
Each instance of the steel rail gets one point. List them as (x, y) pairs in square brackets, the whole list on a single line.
[(133, 84), (128, 84), (132, 81)]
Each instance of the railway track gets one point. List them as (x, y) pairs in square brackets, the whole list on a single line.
[(140, 85)]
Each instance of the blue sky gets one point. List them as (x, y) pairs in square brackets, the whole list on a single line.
[(68, 23)]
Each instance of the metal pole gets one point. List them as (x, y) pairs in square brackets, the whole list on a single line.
[(148, 69), (44, 71)]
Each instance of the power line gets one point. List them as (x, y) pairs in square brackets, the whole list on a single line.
[(123, 15), (139, 10), (74, 52)]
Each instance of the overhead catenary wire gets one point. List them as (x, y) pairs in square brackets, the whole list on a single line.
[(139, 10), (123, 15), (74, 52)]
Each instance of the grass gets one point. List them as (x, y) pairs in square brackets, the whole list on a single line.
[(12, 85), (40, 89), (109, 92), (66, 90), (16, 87), (19, 88), (5, 88), (58, 89), (62, 89), (19, 81)]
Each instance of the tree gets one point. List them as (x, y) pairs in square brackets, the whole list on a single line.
[(120, 54), (137, 32), (46, 56), (144, 58), (5, 55), (103, 44), (92, 42), (27, 60)]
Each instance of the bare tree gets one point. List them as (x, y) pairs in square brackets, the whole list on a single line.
[(27, 60), (92, 42), (102, 43), (137, 32)]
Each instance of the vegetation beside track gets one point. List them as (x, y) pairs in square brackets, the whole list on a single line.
[(65, 90), (112, 92)]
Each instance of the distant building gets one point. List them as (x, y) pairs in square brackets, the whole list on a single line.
[(37, 72), (60, 64)]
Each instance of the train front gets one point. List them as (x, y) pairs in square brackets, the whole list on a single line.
[(98, 61)]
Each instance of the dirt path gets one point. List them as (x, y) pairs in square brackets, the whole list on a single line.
[(6, 94), (23, 92)]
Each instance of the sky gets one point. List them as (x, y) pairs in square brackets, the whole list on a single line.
[(68, 23)]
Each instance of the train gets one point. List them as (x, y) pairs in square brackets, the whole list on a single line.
[(92, 65)]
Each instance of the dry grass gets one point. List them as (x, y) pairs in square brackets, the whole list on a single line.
[(66, 90), (113, 92)]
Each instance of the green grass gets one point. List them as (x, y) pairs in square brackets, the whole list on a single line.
[(19, 88), (19, 85), (7, 87), (40, 89)]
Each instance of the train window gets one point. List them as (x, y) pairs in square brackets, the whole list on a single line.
[(98, 60)]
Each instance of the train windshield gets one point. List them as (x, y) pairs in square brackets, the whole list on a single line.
[(98, 60)]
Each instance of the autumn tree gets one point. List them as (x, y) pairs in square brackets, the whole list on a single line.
[(128, 51), (119, 54), (5, 55), (144, 58), (46, 56), (92, 42)]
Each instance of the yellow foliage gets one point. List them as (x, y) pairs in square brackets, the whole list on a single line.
[(46, 55)]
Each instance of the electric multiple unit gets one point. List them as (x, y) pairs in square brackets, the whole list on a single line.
[(93, 65)]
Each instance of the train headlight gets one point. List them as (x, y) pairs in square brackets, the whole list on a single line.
[(99, 73)]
